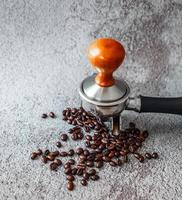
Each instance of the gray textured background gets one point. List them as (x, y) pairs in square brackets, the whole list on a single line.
[(42, 61)]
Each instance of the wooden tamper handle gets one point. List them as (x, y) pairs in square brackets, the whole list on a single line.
[(106, 55)]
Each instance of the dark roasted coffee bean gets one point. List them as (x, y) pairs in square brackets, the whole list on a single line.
[(106, 152), (58, 162), (111, 154), (74, 171), (46, 153), (155, 155), (137, 155), (44, 159), (82, 157), (70, 177), (90, 163), (119, 162), (81, 165), (92, 172), (68, 171), (69, 121), (73, 110), (71, 152), (64, 137), (71, 161), (64, 112), (54, 153), (52, 115), (106, 159), (91, 157), (148, 156), (79, 150), (87, 129), (86, 152), (53, 166), (70, 185), (80, 136), (94, 177), (87, 144), (79, 172), (39, 152), (86, 176), (50, 157), (132, 148), (88, 137), (99, 164), (67, 165), (123, 153), (117, 154), (58, 144), (113, 163), (63, 154), (83, 182), (44, 115), (141, 159), (34, 155), (74, 122), (74, 136)]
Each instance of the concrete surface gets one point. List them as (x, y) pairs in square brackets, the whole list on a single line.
[(42, 61)]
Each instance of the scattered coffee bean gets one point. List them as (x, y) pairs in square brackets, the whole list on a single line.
[(86, 176), (99, 164), (90, 163), (79, 150), (50, 157), (46, 153), (53, 166), (44, 159), (83, 182), (71, 152), (94, 177), (148, 156), (39, 152), (67, 165), (74, 171), (103, 147), (44, 115), (68, 171), (34, 155), (70, 185), (58, 144), (71, 161), (63, 154), (155, 155), (70, 178), (54, 153), (58, 162), (64, 137), (52, 115), (92, 172)]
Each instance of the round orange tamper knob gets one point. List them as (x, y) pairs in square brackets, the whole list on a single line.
[(106, 55)]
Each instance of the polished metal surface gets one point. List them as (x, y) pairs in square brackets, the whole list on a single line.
[(100, 96), (104, 111), (103, 94), (133, 103)]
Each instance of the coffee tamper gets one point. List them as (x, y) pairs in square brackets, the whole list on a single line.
[(107, 96)]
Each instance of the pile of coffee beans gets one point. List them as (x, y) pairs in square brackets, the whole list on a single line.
[(101, 147)]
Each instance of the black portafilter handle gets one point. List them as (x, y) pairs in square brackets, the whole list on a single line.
[(156, 105)]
